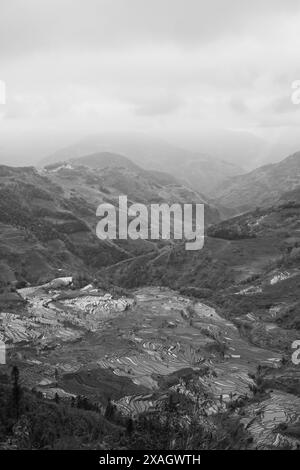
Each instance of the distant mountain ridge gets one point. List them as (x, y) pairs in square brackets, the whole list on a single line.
[(261, 187), (198, 170), (104, 159)]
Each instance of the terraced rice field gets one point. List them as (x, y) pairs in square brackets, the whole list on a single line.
[(122, 349), (279, 408), (183, 344)]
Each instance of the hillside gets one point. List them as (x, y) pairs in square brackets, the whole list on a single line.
[(216, 351), (148, 334), (235, 252), (103, 160), (44, 232), (96, 183), (260, 187), (201, 171), (248, 270), (48, 217)]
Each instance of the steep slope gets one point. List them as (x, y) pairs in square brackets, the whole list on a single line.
[(43, 232), (144, 186), (154, 349), (261, 187), (249, 268), (235, 251), (48, 217)]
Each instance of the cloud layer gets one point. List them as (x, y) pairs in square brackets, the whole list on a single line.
[(172, 66)]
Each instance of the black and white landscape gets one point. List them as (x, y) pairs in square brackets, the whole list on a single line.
[(140, 344)]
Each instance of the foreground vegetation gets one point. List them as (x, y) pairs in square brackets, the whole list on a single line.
[(29, 421)]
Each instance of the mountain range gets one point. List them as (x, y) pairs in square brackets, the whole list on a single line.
[(48, 216), (199, 170), (138, 327), (261, 187)]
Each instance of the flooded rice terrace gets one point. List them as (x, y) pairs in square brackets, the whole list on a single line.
[(133, 349)]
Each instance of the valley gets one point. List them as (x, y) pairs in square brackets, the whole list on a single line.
[(149, 231), (145, 330), (136, 349)]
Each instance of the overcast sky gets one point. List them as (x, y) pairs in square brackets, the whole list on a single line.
[(168, 67)]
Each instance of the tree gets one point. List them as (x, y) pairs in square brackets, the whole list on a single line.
[(16, 390), (56, 376), (129, 426), (109, 410)]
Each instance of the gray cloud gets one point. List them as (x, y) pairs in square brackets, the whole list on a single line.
[(34, 25), (284, 104), (238, 105), (171, 66), (160, 104)]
